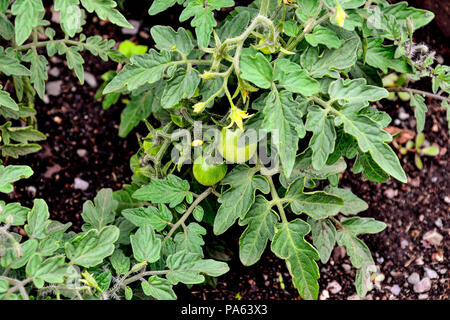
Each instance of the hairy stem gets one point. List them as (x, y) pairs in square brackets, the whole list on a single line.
[(423, 93), (188, 212)]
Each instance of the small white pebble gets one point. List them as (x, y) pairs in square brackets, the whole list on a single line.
[(80, 184), (395, 289)]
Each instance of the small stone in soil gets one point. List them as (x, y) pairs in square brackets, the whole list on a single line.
[(395, 289), (346, 267), (324, 295), (433, 237), (413, 278), (334, 287), (54, 72), (136, 24), (90, 79), (54, 88), (438, 223), (447, 199), (31, 190), (80, 184), (430, 273), (423, 296), (404, 243), (82, 153), (389, 193), (423, 285), (402, 115)]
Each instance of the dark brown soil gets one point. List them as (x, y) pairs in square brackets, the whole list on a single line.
[(74, 121)]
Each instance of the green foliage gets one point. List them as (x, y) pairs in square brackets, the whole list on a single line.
[(23, 26), (301, 74)]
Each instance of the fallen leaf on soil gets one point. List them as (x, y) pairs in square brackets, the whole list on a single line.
[(52, 170)]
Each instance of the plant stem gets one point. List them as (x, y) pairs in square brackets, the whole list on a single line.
[(276, 199), (188, 212), (308, 28), (264, 9), (423, 93)]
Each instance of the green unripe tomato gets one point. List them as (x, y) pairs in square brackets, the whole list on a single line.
[(208, 174), (149, 146), (233, 152)]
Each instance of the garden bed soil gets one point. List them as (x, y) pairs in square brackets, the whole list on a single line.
[(82, 142)]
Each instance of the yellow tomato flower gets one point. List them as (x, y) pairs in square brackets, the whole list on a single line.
[(199, 107), (236, 116), (340, 16)]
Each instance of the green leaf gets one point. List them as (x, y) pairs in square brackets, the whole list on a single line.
[(52, 270), (167, 39), (128, 293), (303, 168), (382, 57), (294, 79), (143, 68), (359, 253), (420, 110), (12, 66), (20, 134), (75, 61), (431, 151), (198, 213), (401, 12), (317, 204), (28, 16), (323, 35), (17, 150), (37, 220), (89, 249), (234, 26), (7, 101), (355, 93), (370, 169), (105, 9), (283, 117), (100, 213), (192, 240), (183, 85), (260, 221), (332, 60), (237, 200), (28, 248), (352, 204), (289, 244), (203, 21), (11, 174), (159, 288), (99, 46), (346, 4), (13, 213), (6, 27), (357, 225), (256, 68), (138, 109), (146, 247), (161, 5), (120, 262), (158, 219), (70, 16), (189, 268), (172, 190), (372, 138), (323, 234), (39, 67), (324, 135)]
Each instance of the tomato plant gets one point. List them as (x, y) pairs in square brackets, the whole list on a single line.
[(305, 76)]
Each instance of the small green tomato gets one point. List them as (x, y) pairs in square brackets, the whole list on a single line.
[(208, 174), (230, 147)]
